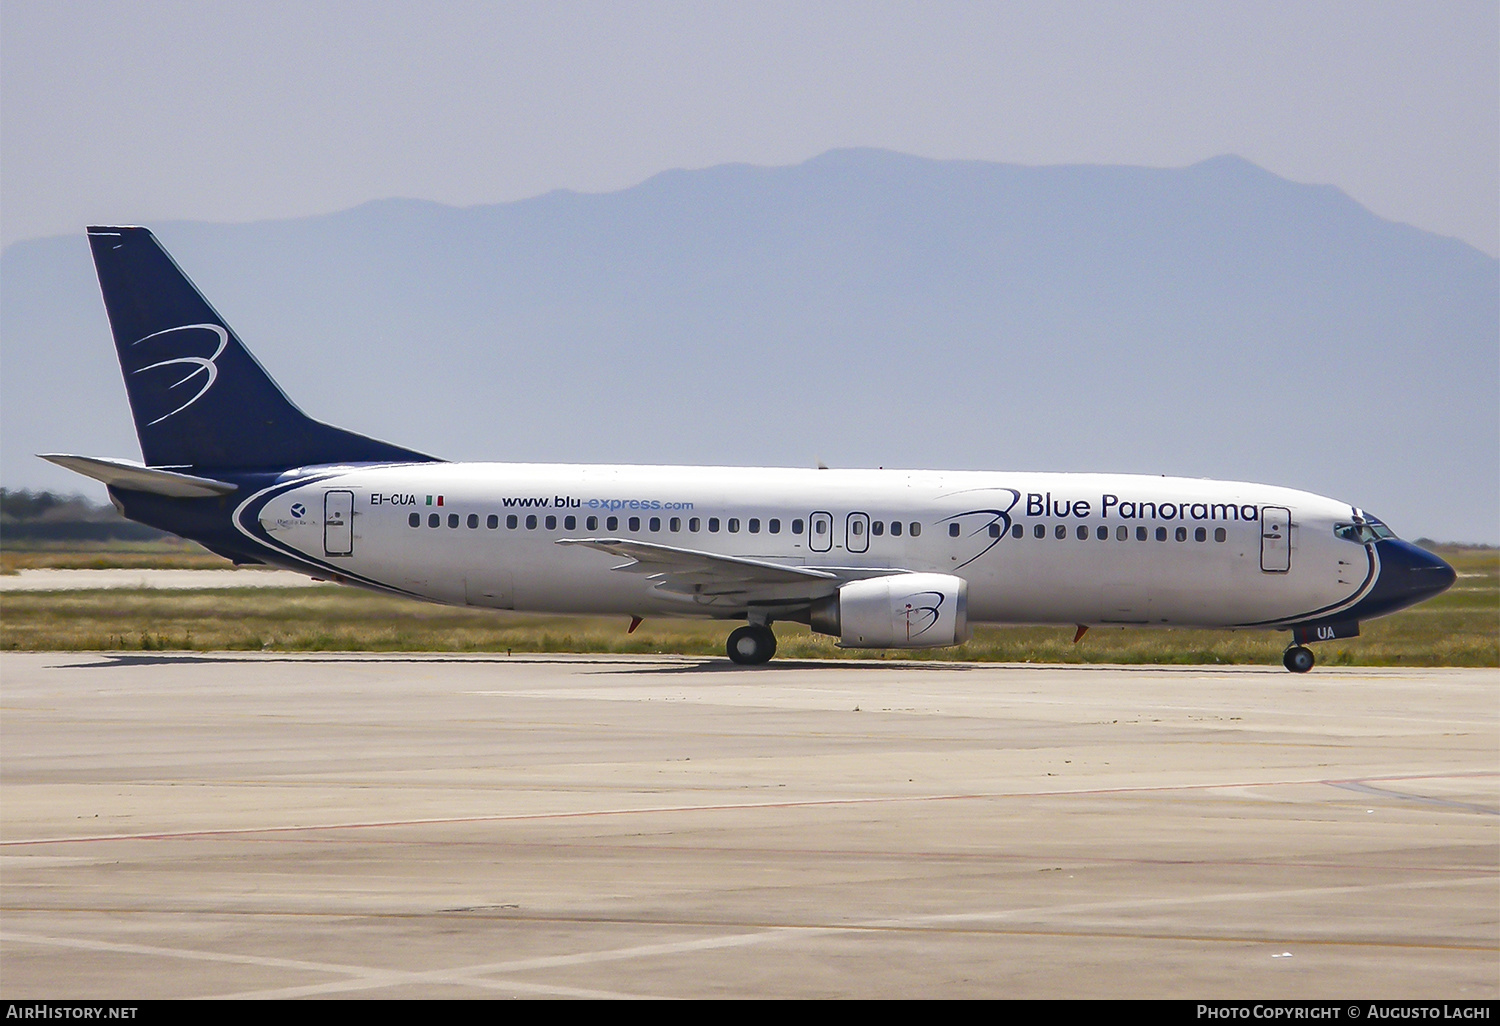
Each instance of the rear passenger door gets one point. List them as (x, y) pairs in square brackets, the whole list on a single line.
[(338, 523)]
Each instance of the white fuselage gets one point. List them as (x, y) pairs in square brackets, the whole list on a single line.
[(1034, 548)]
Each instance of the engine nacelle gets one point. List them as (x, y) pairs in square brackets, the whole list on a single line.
[(899, 611)]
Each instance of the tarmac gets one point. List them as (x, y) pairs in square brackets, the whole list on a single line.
[(172, 580), (403, 826)]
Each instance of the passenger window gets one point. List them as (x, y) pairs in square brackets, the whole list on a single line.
[(1140, 534), (754, 525), (612, 524), (492, 522), (1083, 532), (551, 523), (1122, 533), (635, 523), (734, 525), (570, 522), (995, 530), (591, 524), (1220, 534), (1201, 534), (857, 528), (1061, 531), (433, 520), (820, 526), (773, 526), (1040, 530), (473, 521), (531, 522), (452, 519), (1161, 534), (916, 529), (1182, 534), (953, 529), (797, 526), (713, 525), (1017, 531), (655, 524), (675, 524), (895, 528), (510, 522), (415, 520), (693, 524), (877, 527)]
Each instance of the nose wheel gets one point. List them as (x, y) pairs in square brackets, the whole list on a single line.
[(1298, 659), (752, 644)]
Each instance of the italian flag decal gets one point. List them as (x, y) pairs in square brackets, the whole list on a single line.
[(439, 500)]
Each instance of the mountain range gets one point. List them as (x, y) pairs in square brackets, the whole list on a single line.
[(865, 308)]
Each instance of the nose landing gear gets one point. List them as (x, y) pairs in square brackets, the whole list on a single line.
[(1298, 659), (752, 644)]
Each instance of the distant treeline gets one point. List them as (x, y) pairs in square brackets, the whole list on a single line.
[(45, 516)]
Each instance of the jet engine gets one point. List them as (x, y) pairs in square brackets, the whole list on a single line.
[(899, 611)]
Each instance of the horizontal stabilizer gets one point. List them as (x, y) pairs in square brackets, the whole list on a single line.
[(140, 478)]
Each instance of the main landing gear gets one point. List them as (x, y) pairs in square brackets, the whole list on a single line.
[(752, 644), (1298, 659)]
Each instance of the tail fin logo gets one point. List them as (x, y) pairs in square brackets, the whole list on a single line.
[(203, 365)]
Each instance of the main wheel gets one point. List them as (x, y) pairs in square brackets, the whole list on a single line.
[(1298, 659), (752, 644)]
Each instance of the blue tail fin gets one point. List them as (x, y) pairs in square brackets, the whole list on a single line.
[(199, 398)]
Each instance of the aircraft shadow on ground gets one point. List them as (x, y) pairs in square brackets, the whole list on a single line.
[(615, 665)]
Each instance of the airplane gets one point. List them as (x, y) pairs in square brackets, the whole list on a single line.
[(879, 559)]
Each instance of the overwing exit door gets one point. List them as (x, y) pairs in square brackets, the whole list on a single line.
[(820, 531), (857, 532)]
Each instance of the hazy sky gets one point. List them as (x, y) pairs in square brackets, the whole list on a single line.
[(144, 111)]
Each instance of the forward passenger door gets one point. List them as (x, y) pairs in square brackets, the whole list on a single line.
[(1275, 539)]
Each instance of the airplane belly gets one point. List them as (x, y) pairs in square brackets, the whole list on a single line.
[(492, 588), (1153, 584), (564, 585)]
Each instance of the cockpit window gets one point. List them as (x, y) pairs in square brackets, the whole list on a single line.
[(1363, 531)]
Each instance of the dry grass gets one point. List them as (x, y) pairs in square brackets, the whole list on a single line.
[(1459, 628), (169, 554)]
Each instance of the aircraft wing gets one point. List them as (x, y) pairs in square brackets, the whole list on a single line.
[(727, 583), (707, 573)]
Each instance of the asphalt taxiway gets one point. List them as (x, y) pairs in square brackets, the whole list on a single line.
[(400, 826)]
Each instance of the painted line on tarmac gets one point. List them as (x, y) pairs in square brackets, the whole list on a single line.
[(735, 807), (1382, 792), (368, 978)]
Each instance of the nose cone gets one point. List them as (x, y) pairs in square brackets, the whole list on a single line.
[(1416, 572), (1408, 575)]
